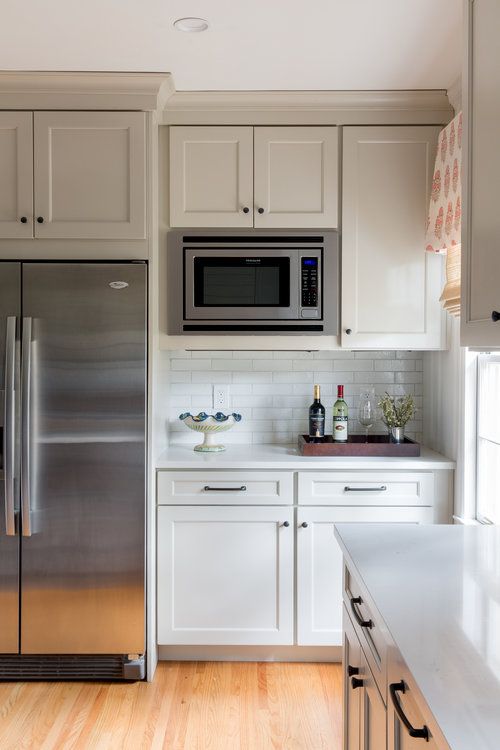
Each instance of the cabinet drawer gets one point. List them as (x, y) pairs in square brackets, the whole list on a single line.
[(225, 488), (369, 630), (365, 488)]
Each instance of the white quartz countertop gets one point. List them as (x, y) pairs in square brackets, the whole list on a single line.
[(437, 589), (287, 457)]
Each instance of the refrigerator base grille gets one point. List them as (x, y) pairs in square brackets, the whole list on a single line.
[(70, 667)]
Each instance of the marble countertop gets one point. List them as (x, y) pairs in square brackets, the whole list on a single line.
[(287, 457), (437, 589)]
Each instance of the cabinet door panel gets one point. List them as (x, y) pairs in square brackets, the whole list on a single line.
[(296, 177), (320, 566), (481, 170), (225, 575), (390, 285), (373, 714), (352, 663), (211, 176), (90, 174), (16, 174)]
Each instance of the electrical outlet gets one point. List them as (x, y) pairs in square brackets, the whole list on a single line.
[(220, 398)]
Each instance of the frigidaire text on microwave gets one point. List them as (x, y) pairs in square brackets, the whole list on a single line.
[(253, 282)]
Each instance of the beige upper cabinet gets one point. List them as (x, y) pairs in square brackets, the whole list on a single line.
[(253, 177), (296, 177), (90, 175), (390, 285), (481, 179), (211, 176), (16, 174)]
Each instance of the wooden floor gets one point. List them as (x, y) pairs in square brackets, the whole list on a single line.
[(189, 706)]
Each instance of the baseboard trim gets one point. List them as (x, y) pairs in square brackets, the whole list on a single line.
[(251, 653)]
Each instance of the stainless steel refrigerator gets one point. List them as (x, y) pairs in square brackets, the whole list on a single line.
[(73, 364)]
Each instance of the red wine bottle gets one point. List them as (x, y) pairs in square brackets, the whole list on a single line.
[(317, 416)]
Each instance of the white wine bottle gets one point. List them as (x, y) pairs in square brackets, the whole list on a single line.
[(340, 417), (317, 416)]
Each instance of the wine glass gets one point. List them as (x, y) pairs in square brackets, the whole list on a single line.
[(367, 411)]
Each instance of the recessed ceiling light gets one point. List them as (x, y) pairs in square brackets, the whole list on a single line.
[(191, 24)]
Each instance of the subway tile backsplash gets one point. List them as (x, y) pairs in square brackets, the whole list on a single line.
[(273, 390)]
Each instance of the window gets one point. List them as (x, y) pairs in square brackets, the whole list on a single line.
[(488, 439)]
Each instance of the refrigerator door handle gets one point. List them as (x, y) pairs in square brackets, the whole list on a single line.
[(10, 426), (26, 427)]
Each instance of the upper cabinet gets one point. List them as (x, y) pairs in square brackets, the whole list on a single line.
[(16, 174), (390, 285), (296, 177), (253, 177), (73, 175), (480, 324), (211, 177)]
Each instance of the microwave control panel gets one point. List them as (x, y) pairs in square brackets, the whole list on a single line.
[(309, 281)]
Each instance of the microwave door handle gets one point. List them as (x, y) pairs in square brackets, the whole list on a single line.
[(26, 428), (10, 426)]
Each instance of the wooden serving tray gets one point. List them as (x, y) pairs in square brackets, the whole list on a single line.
[(356, 445)]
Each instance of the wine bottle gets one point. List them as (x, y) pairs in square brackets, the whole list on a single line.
[(340, 417), (316, 416)]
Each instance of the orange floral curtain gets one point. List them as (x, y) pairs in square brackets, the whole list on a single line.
[(444, 223)]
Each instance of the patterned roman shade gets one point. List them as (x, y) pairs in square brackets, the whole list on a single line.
[(445, 213)]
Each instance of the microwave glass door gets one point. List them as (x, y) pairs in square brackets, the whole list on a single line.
[(241, 284)]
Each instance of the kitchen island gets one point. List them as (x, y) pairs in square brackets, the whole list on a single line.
[(421, 636)]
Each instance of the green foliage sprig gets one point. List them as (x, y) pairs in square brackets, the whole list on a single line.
[(397, 410)]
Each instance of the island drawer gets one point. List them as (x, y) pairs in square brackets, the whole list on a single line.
[(365, 488), (224, 488), (369, 629)]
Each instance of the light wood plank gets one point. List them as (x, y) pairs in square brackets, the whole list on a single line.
[(188, 706)]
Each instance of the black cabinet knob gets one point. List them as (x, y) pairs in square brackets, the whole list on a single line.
[(304, 524), (39, 219), (23, 219), (246, 209), (495, 316), (352, 670), (286, 523), (348, 331), (260, 210), (356, 683)]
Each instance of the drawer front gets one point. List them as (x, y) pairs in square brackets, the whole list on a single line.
[(224, 488), (366, 488), (407, 710), (368, 629)]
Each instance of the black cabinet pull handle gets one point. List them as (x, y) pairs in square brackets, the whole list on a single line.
[(39, 219), (362, 623), (399, 687), (352, 670), (24, 219), (382, 488), (348, 331), (304, 524), (286, 524), (260, 210), (246, 210), (495, 316), (356, 683), (207, 488)]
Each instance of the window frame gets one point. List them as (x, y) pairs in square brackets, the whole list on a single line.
[(482, 359)]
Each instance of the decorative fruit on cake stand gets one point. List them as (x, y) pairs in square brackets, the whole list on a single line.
[(210, 425)]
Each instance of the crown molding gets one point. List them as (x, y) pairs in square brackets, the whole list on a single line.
[(85, 90), (308, 107)]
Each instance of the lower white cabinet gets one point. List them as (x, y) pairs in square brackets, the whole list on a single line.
[(225, 575), (320, 566)]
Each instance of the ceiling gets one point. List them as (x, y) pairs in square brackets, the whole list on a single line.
[(261, 44)]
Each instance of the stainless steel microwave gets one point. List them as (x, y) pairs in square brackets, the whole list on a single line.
[(253, 282)]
